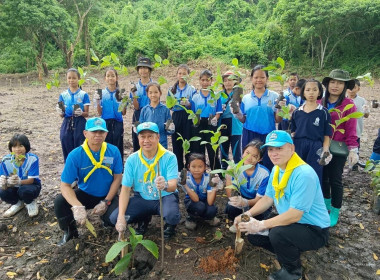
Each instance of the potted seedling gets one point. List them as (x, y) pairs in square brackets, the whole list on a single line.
[(276, 74), (374, 170), (160, 62), (215, 141), (238, 93)]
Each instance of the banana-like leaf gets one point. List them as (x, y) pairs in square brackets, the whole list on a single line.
[(91, 228)]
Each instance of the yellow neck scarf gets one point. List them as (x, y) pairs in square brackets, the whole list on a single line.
[(293, 163), (93, 161), (160, 152)]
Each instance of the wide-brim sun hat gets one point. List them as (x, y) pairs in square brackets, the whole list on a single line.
[(144, 61), (96, 124), (277, 138), (340, 75)]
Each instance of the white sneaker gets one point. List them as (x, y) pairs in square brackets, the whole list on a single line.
[(14, 209), (214, 222), (32, 208), (233, 229)]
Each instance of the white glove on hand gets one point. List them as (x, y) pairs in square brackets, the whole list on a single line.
[(171, 127), (353, 158), (3, 182), (14, 180), (80, 214), (96, 96), (121, 224), (238, 115), (100, 208), (238, 202), (365, 109), (59, 110), (161, 184), (252, 227), (214, 121), (282, 103), (224, 106), (78, 112), (184, 102)]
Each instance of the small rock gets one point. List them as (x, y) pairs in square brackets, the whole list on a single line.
[(14, 229), (19, 271), (3, 227)]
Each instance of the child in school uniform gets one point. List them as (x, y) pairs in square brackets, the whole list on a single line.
[(183, 92), (361, 106), (157, 113), (336, 85), (234, 127), (71, 133), (19, 177), (107, 106), (292, 82), (208, 119), (139, 95), (311, 129), (200, 196)]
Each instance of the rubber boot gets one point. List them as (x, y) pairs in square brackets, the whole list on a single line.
[(142, 226), (328, 203), (69, 233), (169, 231), (290, 271), (334, 216)]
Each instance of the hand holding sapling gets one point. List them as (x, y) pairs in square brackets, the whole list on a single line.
[(13, 180), (80, 214), (121, 224), (78, 112), (353, 157), (161, 184), (60, 108), (252, 227), (238, 202), (214, 121)]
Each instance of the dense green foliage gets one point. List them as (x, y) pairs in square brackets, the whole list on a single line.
[(307, 33)]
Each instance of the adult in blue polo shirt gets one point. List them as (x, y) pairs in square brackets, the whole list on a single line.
[(98, 168), (302, 222), (149, 171)]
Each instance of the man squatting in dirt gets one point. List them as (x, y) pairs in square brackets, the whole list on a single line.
[(98, 168), (149, 170), (303, 220)]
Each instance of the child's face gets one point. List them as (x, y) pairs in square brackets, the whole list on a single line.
[(336, 87), (253, 156), (144, 72), (19, 149), (353, 92), (111, 78), (259, 79), (205, 81), (297, 91), (292, 81), (228, 84), (154, 94), (311, 92), (72, 79), (182, 72), (197, 167)]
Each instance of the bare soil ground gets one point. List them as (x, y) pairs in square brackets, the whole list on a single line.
[(28, 245)]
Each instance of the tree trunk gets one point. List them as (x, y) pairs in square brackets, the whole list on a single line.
[(86, 38), (40, 58)]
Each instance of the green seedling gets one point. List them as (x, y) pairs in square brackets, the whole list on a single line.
[(84, 77), (111, 60), (186, 150), (367, 78), (160, 62), (17, 160), (128, 259), (216, 139), (54, 82), (276, 72), (341, 119), (188, 78), (373, 168)]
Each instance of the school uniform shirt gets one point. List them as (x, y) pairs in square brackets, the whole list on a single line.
[(200, 189), (159, 116), (256, 183), (71, 98), (110, 106), (237, 126), (259, 112), (188, 91), (302, 192), (29, 169), (293, 99), (134, 171), (287, 92), (199, 101), (78, 165), (314, 125), (141, 94), (359, 103)]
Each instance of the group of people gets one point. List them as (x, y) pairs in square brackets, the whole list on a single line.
[(293, 169)]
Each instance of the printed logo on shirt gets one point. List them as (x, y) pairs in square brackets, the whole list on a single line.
[(316, 122), (108, 161), (79, 100), (270, 103)]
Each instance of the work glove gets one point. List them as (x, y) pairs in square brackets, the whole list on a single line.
[(238, 219), (214, 121), (365, 109), (121, 224), (3, 182), (238, 115), (13, 180), (282, 103), (133, 90), (171, 127), (59, 110), (324, 156), (100, 208), (353, 157), (78, 112), (96, 97), (252, 227), (80, 214), (216, 183), (184, 102), (238, 202), (161, 184)]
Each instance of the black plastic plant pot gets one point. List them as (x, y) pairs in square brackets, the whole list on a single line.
[(61, 106), (76, 107), (183, 176), (375, 104), (280, 98), (100, 91), (236, 99), (119, 94)]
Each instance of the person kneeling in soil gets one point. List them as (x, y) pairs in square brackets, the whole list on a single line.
[(303, 220), (151, 171), (98, 168), (19, 182), (200, 193)]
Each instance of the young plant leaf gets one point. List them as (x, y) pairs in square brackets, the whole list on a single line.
[(151, 247), (123, 264), (91, 228), (115, 250)]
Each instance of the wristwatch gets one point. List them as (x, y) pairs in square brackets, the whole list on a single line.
[(108, 202)]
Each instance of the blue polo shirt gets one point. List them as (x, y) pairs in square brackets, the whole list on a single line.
[(71, 98), (287, 92), (188, 91), (78, 165), (29, 169), (294, 100), (314, 125), (110, 106), (141, 93), (159, 116), (237, 126), (134, 174), (199, 101), (256, 183), (200, 189), (259, 112), (302, 192)]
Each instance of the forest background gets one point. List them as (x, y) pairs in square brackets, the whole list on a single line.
[(313, 36)]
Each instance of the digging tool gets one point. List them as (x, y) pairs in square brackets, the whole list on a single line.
[(124, 251), (161, 221), (239, 242)]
